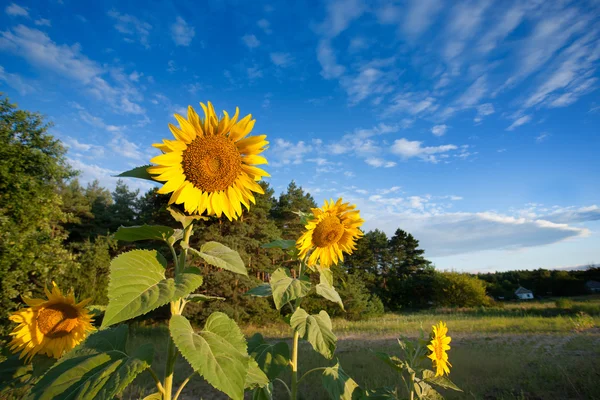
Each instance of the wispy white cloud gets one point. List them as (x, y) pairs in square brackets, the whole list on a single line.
[(542, 137), (250, 41), (15, 10), (16, 82), (474, 93), (282, 59), (463, 23), (379, 162), (414, 103), (439, 130), (39, 50), (123, 147), (91, 150), (329, 67), (507, 23), (131, 27), (43, 22), (420, 15), (518, 122), (484, 110), (264, 25), (410, 149), (288, 153), (182, 33)]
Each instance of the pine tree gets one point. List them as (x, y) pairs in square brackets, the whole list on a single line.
[(295, 199)]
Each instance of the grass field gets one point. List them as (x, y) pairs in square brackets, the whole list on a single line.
[(520, 351)]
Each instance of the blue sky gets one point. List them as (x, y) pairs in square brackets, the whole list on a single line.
[(471, 124)]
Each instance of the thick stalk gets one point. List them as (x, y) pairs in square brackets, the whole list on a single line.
[(176, 309), (412, 386), (295, 367)]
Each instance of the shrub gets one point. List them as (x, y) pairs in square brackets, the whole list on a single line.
[(453, 289), (563, 303)]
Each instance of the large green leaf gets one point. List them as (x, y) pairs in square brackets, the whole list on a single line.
[(271, 358), (393, 361), (221, 256), (143, 232), (138, 285), (316, 329), (99, 368), (263, 290), (279, 244), (339, 385), (286, 289), (442, 381), (218, 352), (200, 298), (324, 289), (139, 172), (256, 377)]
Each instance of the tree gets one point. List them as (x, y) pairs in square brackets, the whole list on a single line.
[(32, 165), (370, 261), (284, 210), (123, 210)]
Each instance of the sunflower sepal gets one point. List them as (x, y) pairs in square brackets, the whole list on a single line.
[(138, 172)]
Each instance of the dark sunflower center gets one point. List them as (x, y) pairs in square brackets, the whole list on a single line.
[(212, 163), (57, 320), (328, 231)]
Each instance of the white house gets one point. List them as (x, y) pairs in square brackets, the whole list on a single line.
[(523, 294)]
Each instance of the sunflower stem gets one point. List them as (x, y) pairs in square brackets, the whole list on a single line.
[(294, 393), (176, 309)]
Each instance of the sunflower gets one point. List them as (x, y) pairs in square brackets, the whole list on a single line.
[(440, 343), (332, 231), (210, 166), (50, 327)]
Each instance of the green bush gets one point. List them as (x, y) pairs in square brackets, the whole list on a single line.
[(454, 289), (563, 304)]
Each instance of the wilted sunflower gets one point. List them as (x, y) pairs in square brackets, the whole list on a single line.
[(439, 344), (332, 231), (210, 164), (50, 327)]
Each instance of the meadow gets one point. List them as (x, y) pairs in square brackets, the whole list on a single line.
[(522, 350)]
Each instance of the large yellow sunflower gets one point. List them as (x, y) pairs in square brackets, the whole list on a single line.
[(440, 343), (210, 164), (50, 327), (332, 231)]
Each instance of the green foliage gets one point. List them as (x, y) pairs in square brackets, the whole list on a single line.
[(100, 368), (339, 385), (218, 352), (285, 288), (32, 166), (271, 358), (563, 303), (316, 329), (285, 210), (221, 256), (144, 232), (454, 289), (138, 285)]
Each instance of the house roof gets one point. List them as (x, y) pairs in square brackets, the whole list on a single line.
[(522, 290), (593, 284)]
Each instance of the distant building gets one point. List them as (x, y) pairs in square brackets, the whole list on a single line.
[(523, 294), (593, 286)]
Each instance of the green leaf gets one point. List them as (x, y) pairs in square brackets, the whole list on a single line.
[(442, 381), (316, 329), (99, 368), (139, 172), (143, 232), (138, 285), (286, 289), (218, 352), (198, 298), (14, 372), (263, 393), (329, 292), (426, 392), (221, 256), (279, 244), (393, 361), (256, 377), (263, 290), (338, 384), (326, 276), (271, 358)]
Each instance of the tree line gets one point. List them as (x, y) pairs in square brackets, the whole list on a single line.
[(53, 228)]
